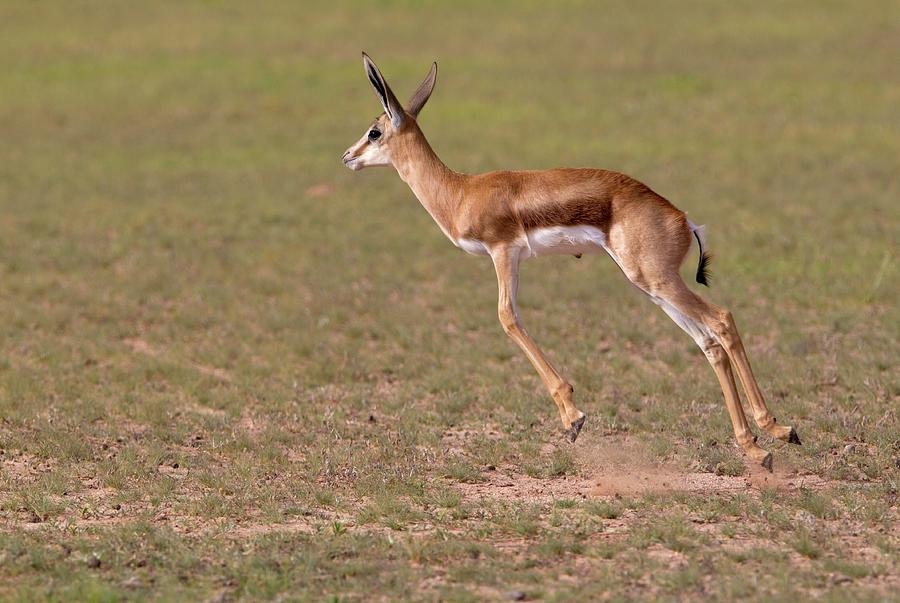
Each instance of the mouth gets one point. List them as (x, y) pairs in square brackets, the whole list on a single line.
[(350, 162)]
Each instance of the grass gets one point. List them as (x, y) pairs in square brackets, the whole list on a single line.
[(234, 369)]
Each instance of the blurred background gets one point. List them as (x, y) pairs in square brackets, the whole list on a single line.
[(173, 169), (181, 247)]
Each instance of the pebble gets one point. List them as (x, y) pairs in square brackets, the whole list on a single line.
[(806, 517)]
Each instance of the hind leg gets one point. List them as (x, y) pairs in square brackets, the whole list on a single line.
[(718, 359), (718, 326), (726, 331), (651, 262)]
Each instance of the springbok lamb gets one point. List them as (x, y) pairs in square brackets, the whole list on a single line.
[(511, 216)]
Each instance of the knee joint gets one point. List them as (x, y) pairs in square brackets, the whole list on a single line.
[(725, 329), (715, 353), (508, 319)]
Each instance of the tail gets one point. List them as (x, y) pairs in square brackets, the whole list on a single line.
[(703, 265)]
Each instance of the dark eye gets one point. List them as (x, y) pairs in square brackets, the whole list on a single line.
[(374, 134)]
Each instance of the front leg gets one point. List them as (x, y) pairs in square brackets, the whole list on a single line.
[(506, 262)]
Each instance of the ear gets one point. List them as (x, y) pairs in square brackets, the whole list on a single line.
[(390, 103), (418, 100)]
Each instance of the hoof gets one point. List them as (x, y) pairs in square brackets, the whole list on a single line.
[(793, 438), (767, 463), (575, 429)]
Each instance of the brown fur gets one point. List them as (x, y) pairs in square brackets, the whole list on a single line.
[(498, 207)]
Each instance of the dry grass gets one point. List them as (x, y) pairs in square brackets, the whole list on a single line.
[(232, 369)]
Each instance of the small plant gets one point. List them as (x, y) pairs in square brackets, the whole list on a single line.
[(389, 511), (40, 506), (682, 579), (558, 548), (525, 527), (817, 504), (606, 510), (324, 498), (561, 463), (462, 471), (852, 570), (445, 498), (807, 546), (521, 521), (606, 550), (721, 461), (532, 471), (674, 533)]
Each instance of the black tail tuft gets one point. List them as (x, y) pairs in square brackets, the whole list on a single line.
[(703, 266)]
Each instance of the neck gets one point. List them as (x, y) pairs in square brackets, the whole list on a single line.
[(433, 183)]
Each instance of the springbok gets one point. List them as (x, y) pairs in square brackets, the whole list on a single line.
[(512, 216)]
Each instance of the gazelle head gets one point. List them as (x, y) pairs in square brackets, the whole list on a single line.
[(374, 148)]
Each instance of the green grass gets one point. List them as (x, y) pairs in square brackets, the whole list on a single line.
[(234, 369)]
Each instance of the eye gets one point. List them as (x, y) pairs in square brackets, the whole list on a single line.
[(374, 134)]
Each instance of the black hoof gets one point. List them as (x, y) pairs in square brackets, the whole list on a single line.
[(767, 462), (793, 438), (575, 429)]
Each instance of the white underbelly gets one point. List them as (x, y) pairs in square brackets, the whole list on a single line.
[(565, 240), (551, 240), (473, 246)]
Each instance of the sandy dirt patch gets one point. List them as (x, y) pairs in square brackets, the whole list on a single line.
[(616, 466), (620, 466)]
